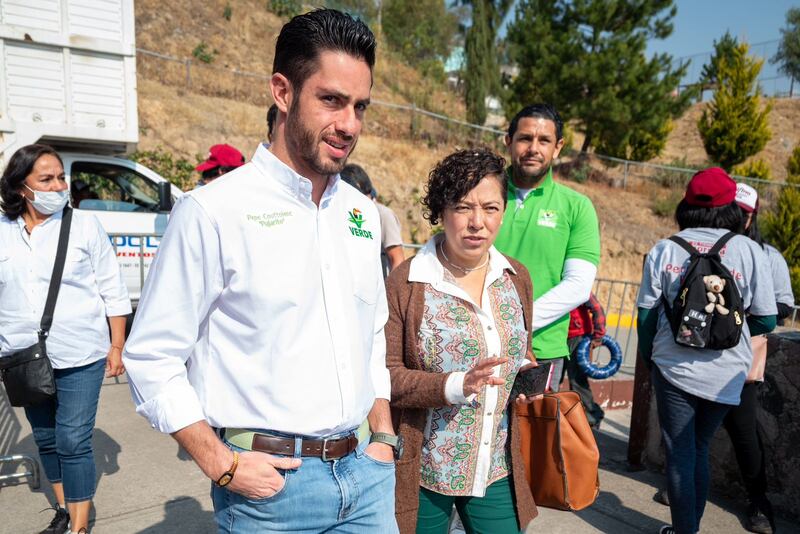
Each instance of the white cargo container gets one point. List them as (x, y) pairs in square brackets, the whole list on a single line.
[(68, 79)]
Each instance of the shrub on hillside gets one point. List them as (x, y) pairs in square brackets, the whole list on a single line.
[(202, 53), (285, 8), (755, 168), (663, 204), (177, 170), (793, 166), (782, 230)]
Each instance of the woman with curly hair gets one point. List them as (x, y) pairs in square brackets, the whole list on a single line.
[(458, 334)]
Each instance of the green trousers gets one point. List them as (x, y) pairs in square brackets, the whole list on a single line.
[(493, 513)]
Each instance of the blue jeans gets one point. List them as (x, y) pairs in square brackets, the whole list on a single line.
[(354, 494), (62, 429), (688, 424)]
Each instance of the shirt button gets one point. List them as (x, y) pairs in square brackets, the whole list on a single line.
[(486, 442), (488, 414), (489, 327)]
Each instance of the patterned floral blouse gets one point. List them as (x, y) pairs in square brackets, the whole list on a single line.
[(464, 445)]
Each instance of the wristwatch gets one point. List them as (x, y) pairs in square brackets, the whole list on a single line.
[(227, 476), (395, 442)]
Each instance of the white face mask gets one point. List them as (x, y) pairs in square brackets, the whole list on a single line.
[(48, 202)]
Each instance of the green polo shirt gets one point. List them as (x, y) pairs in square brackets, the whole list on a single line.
[(553, 224)]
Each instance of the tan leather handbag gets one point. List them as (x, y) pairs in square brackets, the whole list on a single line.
[(559, 450)]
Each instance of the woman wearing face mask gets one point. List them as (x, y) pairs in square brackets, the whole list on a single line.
[(33, 194)]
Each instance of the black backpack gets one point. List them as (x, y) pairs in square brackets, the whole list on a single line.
[(692, 323)]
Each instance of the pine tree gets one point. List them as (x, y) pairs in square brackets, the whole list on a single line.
[(724, 48), (588, 58), (481, 72), (733, 126), (788, 55)]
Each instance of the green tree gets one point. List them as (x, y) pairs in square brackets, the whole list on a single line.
[(724, 48), (421, 31), (788, 55), (588, 58), (481, 72), (782, 230), (793, 166), (734, 125), (177, 170), (756, 168)]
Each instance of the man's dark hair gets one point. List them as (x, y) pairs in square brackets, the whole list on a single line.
[(357, 177), (272, 115), (538, 111), (303, 38), (458, 174), (19, 167), (728, 217)]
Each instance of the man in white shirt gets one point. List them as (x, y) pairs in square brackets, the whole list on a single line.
[(258, 342)]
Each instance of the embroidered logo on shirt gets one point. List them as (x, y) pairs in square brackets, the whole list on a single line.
[(268, 220), (358, 219), (548, 218)]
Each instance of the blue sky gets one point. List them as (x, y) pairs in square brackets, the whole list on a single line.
[(699, 22)]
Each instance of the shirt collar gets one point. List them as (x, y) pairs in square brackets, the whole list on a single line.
[(546, 184), (426, 267), (300, 186), (54, 217)]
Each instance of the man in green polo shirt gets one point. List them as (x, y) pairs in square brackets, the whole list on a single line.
[(550, 228)]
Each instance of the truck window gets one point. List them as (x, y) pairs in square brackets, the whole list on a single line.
[(105, 187)]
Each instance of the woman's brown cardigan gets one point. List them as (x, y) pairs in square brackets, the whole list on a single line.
[(415, 390)]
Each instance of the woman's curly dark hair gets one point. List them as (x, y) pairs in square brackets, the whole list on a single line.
[(458, 174)]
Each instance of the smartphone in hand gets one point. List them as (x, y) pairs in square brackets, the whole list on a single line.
[(534, 381)]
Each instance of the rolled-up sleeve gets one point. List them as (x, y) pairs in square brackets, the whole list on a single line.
[(381, 380), (108, 275), (184, 280)]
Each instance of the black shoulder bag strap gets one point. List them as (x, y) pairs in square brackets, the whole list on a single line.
[(685, 245), (721, 242), (58, 271)]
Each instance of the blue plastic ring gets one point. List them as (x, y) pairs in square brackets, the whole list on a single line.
[(592, 370)]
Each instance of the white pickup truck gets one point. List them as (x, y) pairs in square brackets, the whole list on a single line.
[(68, 79)]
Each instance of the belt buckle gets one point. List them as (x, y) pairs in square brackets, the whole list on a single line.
[(325, 451)]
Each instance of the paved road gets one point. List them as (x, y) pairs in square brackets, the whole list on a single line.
[(146, 485)]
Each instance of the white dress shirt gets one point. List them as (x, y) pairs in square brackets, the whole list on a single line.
[(91, 289), (262, 310)]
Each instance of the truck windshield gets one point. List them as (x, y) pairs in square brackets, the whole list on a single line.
[(107, 187)]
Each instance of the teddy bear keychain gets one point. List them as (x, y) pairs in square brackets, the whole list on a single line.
[(714, 286)]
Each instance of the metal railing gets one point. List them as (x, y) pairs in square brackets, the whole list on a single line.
[(618, 298)]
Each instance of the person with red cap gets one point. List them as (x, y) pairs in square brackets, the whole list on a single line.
[(696, 387), (740, 422), (221, 159)]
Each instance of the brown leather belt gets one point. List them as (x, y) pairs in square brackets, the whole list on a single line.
[(327, 449)]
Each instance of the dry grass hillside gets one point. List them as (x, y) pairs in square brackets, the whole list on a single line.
[(219, 107), (684, 141)]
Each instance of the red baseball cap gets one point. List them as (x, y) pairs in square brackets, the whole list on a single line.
[(710, 188), (221, 156)]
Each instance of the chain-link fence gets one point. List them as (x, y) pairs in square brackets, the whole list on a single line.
[(665, 184)]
